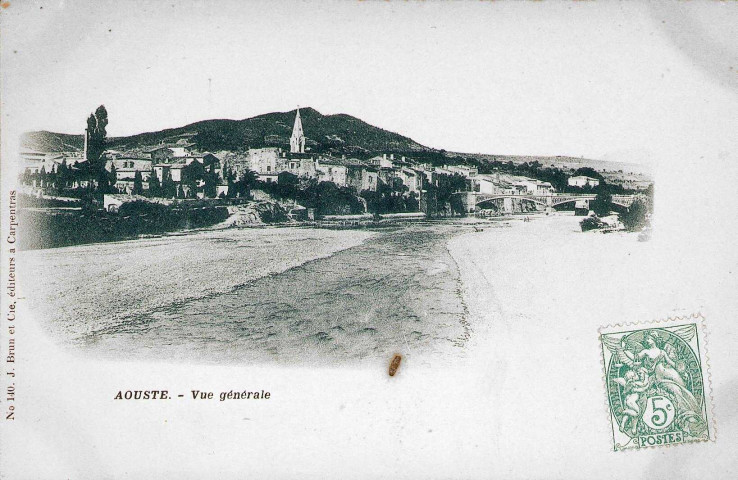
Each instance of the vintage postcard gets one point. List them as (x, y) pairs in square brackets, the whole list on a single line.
[(368, 239)]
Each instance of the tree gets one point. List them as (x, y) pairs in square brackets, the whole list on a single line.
[(329, 199), (249, 177), (96, 133), (168, 187), (64, 175), (412, 202), (602, 202), (211, 184), (154, 186), (230, 179), (191, 175), (137, 184), (52, 176), (42, 176), (244, 184), (103, 180), (112, 177), (588, 172), (636, 217)]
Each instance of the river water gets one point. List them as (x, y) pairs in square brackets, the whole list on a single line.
[(398, 292)]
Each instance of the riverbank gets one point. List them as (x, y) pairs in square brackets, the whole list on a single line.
[(80, 289), (537, 294), (547, 272)]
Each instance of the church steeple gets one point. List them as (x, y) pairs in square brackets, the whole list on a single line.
[(297, 141)]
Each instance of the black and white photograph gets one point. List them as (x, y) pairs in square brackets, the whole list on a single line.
[(368, 239)]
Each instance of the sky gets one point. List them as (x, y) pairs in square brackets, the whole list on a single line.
[(595, 79)]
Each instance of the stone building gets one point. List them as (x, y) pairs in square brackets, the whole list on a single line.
[(362, 177)]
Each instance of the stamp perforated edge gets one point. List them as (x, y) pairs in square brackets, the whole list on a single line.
[(704, 359)]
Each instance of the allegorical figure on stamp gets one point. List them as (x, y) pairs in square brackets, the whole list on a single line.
[(635, 382), (655, 383)]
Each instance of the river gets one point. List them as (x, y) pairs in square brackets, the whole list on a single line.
[(393, 290)]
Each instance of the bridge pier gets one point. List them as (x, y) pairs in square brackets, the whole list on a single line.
[(507, 205), (468, 201)]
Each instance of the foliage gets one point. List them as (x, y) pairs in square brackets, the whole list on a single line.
[(243, 186), (137, 184), (588, 172), (168, 187), (602, 204), (390, 198), (211, 183), (191, 174), (635, 218), (112, 176), (440, 192), (329, 199), (55, 229), (592, 223), (141, 207), (96, 133), (154, 185), (285, 188)]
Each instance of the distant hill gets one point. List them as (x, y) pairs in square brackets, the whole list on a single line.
[(339, 133), (565, 162), (44, 141)]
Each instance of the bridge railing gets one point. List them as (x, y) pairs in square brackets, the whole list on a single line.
[(551, 199)]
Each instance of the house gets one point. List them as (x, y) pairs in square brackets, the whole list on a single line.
[(264, 160), (176, 172), (126, 167), (162, 153), (534, 187), (269, 177), (207, 160), (382, 161), (468, 172), (234, 162), (221, 190), (442, 171), (410, 179), (485, 184), (581, 207), (332, 170), (300, 164), (34, 160), (162, 169), (362, 177), (582, 181)]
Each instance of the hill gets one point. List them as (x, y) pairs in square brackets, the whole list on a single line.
[(338, 133), (565, 162), (44, 141), (334, 134)]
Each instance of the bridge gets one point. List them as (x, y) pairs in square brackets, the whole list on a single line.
[(474, 199)]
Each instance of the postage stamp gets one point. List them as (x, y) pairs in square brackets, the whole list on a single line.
[(657, 382)]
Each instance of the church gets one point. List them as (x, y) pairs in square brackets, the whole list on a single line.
[(268, 162), (297, 141)]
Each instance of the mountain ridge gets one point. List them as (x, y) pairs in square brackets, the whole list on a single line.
[(336, 133)]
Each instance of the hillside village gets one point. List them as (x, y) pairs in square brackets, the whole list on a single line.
[(178, 169)]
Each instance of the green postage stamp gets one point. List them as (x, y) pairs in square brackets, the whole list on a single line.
[(657, 383)]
